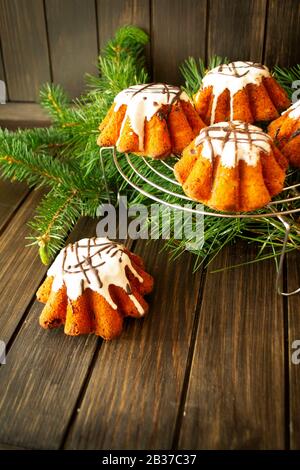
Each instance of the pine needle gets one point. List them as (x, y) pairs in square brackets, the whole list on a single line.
[(64, 159)]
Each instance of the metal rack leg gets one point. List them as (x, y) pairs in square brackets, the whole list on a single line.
[(155, 198), (103, 170), (287, 227)]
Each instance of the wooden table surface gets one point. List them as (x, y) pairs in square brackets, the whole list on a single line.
[(210, 366)]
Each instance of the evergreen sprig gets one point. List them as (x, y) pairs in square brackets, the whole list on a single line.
[(122, 62), (55, 101), (55, 216), (64, 159), (289, 78), (194, 70)]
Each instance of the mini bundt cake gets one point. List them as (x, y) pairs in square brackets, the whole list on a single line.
[(286, 134), (232, 166), (244, 91), (91, 286), (153, 120)]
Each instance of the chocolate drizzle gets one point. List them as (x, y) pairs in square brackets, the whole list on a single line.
[(232, 77), (85, 265), (295, 134), (246, 138), (153, 88), (143, 102), (95, 263), (235, 131), (234, 70)]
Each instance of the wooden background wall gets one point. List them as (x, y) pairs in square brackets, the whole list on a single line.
[(59, 40)]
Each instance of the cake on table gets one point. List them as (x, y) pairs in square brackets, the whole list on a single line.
[(286, 133), (243, 91), (91, 286), (154, 120), (232, 166)]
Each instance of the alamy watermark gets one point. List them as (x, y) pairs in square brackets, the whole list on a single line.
[(2, 352), (295, 358), (296, 93), (2, 92), (152, 221)]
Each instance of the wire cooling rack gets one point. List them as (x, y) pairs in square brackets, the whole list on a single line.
[(140, 177)]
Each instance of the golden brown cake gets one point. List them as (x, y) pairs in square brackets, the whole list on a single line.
[(91, 286), (232, 166), (244, 91), (286, 134), (154, 120)]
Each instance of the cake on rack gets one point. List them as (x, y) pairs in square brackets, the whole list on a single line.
[(91, 286), (286, 133), (232, 166), (154, 120), (243, 91)]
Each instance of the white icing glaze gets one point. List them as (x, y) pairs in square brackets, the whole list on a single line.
[(233, 77), (233, 141), (143, 101), (93, 263), (293, 111)]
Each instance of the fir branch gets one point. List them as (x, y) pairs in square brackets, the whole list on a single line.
[(75, 177), (128, 39), (55, 216), (122, 62), (287, 76), (55, 101), (193, 71), (18, 163)]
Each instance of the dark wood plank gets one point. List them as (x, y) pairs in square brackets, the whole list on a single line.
[(72, 29), (24, 46), (134, 392), (293, 347), (23, 115), (40, 382), (19, 266), (11, 196), (112, 14), (235, 398), (283, 33), (178, 31), (43, 374), (236, 29)]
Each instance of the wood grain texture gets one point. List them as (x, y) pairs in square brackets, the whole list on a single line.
[(40, 383), (235, 398), (261, 30), (112, 14), (178, 31), (23, 115), (19, 266), (72, 29), (43, 375), (11, 196), (236, 29), (24, 46), (134, 392), (283, 33), (294, 336)]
